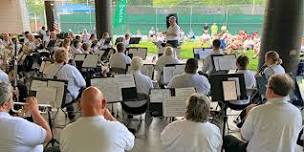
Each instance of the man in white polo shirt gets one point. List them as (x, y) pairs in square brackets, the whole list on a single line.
[(97, 130), (272, 127), (173, 32), (18, 134)]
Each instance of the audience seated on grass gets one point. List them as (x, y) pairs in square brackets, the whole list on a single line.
[(120, 59), (18, 134), (97, 130), (273, 126), (190, 78), (194, 133)]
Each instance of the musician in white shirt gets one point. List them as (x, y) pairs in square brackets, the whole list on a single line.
[(97, 130), (271, 127), (273, 64), (173, 32), (63, 71), (190, 78), (4, 77), (143, 82), (120, 59), (194, 133), (18, 134), (167, 58), (208, 65), (241, 62)]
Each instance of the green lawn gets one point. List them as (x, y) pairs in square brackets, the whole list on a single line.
[(186, 51)]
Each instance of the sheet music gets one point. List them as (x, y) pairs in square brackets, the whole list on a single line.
[(125, 80), (44, 65), (202, 53), (59, 92), (227, 62), (140, 52), (148, 70), (79, 57), (179, 69), (159, 95), (46, 95), (90, 61), (110, 89), (36, 84), (99, 52), (229, 90), (216, 62), (238, 87), (175, 106), (168, 73)]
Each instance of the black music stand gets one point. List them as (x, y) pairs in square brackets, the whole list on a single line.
[(217, 92), (134, 40)]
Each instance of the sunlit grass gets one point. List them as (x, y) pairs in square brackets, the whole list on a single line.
[(187, 51)]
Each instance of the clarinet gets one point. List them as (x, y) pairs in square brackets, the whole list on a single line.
[(15, 69)]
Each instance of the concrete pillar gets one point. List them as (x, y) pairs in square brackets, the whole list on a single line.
[(103, 13), (50, 14), (283, 27)]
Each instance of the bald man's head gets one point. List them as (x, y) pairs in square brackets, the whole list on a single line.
[(92, 102)]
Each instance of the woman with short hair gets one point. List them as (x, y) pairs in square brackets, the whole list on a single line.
[(194, 133)]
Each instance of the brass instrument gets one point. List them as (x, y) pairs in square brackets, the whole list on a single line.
[(18, 107)]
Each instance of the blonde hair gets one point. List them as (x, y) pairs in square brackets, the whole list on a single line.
[(136, 63), (274, 57), (198, 108), (168, 51), (61, 55)]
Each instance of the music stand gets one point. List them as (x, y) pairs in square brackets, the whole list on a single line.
[(218, 94), (58, 85), (230, 62), (134, 40), (119, 39)]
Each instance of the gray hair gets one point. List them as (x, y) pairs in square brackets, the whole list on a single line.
[(6, 93), (136, 63), (198, 108), (168, 51)]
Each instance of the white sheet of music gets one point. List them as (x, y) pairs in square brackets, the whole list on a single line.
[(46, 95), (237, 84), (148, 70), (109, 88), (168, 73), (229, 90), (125, 80), (159, 95), (44, 65), (79, 57), (216, 62), (179, 69), (90, 61), (59, 92), (36, 84), (138, 52), (175, 106), (227, 62)]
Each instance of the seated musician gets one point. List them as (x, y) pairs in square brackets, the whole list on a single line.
[(63, 71), (4, 77), (242, 62), (97, 130), (273, 126), (18, 134), (272, 66), (194, 133), (190, 78), (120, 59), (208, 65), (143, 82), (101, 43), (76, 48), (167, 58)]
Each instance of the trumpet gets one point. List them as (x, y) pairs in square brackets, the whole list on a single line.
[(18, 107)]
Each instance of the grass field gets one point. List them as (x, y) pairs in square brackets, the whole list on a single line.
[(186, 51)]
